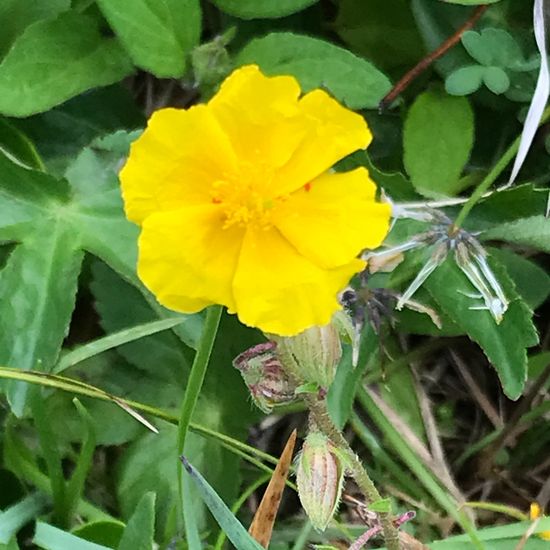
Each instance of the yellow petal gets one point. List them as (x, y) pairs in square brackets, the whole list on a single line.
[(175, 162), (187, 260), (334, 218), (280, 291), (334, 133), (261, 115)]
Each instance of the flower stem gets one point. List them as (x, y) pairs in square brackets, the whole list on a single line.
[(319, 412), (195, 381), (491, 177)]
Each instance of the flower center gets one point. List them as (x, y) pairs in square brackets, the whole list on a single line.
[(243, 204)]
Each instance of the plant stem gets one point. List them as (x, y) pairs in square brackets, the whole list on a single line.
[(424, 63), (318, 409), (491, 177)]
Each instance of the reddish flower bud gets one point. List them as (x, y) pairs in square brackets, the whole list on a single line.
[(264, 376)]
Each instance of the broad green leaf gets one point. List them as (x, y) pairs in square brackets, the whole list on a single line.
[(465, 81), (493, 47), (60, 133), (254, 9), (496, 80), (139, 531), (532, 281), (158, 35), (121, 305), (54, 60), (16, 516), (381, 31), (17, 15), (231, 526), (39, 280), (437, 139), (37, 294), (49, 537), (521, 201), (318, 64), (17, 147), (26, 196), (149, 464), (505, 344), (533, 232)]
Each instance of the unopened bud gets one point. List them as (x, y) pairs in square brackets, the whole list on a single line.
[(264, 376), (315, 353), (320, 478)]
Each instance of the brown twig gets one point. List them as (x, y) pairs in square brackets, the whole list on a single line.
[(424, 63)]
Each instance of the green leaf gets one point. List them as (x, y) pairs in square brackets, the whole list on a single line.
[(149, 464), (37, 295), (465, 81), (17, 15), (49, 537), (253, 9), (493, 47), (75, 486), (437, 138), (107, 533), (114, 340), (139, 531), (472, 2), (532, 281), (157, 35), (17, 147), (54, 60), (38, 283), (514, 203), (496, 80), (533, 232), (504, 344), (318, 64), (436, 21), (120, 306), (60, 133), (380, 30), (16, 516), (341, 395), (231, 526)]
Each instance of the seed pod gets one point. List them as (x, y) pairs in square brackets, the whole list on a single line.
[(315, 353), (320, 479), (264, 376)]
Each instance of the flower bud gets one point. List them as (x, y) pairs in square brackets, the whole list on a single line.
[(264, 376), (320, 478), (315, 353)]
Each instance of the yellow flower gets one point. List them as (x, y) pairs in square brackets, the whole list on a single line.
[(535, 513), (237, 207)]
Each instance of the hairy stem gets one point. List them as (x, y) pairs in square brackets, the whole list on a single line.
[(318, 410)]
